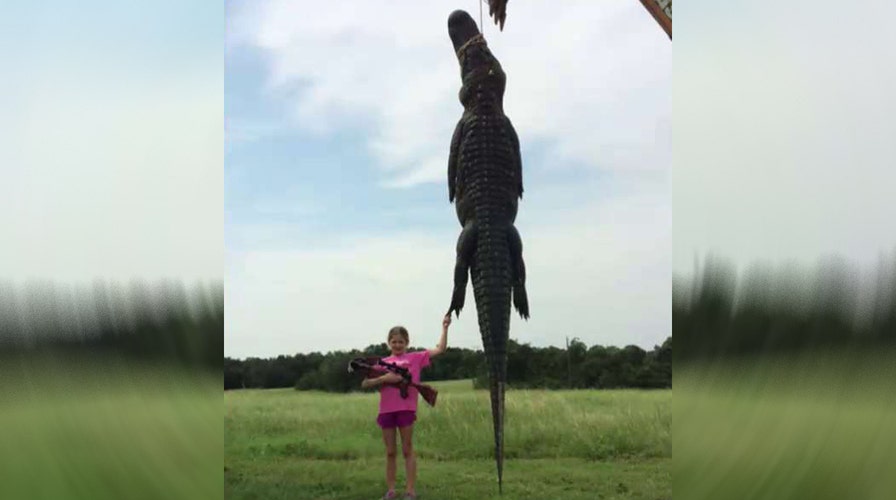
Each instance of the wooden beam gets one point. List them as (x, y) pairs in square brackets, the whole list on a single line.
[(661, 10)]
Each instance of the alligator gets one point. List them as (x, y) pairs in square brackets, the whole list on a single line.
[(485, 183)]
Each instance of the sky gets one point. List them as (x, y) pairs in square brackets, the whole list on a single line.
[(337, 118), (783, 136), (112, 153), (337, 219)]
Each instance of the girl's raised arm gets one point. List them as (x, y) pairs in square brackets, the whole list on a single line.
[(443, 340)]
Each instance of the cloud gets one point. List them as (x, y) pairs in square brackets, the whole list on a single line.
[(591, 80)]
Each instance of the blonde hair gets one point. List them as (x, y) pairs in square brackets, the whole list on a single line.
[(399, 331)]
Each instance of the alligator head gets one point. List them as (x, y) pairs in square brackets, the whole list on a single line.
[(483, 78)]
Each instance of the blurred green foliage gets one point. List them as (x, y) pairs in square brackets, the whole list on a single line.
[(788, 308), (166, 321)]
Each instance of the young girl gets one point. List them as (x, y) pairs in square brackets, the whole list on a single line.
[(400, 413)]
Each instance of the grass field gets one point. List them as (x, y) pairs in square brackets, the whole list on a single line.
[(101, 428), (816, 426), (286, 444)]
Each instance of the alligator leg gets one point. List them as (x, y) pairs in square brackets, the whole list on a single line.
[(518, 273), (466, 248)]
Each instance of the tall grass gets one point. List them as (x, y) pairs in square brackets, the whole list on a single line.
[(814, 425), (573, 444), (96, 427), (539, 424)]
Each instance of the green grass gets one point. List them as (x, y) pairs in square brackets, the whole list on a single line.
[(102, 429), (558, 444), (816, 426)]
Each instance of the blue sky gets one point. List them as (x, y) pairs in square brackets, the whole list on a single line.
[(337, 221)]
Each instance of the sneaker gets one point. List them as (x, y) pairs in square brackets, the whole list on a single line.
[(390, 495)]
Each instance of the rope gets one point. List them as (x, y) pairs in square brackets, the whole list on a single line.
[(475, 39)]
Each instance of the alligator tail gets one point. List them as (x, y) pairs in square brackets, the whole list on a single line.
[(497, 394), (492, 288)]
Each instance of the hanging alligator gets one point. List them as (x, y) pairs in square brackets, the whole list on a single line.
[(485, 183)]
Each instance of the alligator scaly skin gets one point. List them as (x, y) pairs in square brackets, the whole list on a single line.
[(485, 183)]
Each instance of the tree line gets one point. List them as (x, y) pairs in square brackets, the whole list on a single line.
[(720, 312), (577, 366)]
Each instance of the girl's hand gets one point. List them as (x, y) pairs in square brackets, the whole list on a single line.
[(446, 321), (391, 378)]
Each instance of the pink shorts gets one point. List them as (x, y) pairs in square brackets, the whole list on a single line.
[(396, 419)]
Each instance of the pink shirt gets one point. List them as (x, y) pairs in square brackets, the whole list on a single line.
[(390, 396)]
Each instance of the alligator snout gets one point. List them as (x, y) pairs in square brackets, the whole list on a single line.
[(461, 28)]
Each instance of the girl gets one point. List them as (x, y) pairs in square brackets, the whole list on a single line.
[(400, 413)]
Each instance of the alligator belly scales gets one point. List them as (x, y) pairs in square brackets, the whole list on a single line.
[(485, 183)]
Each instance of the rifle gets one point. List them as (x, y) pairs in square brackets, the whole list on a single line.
[(373, 367)]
